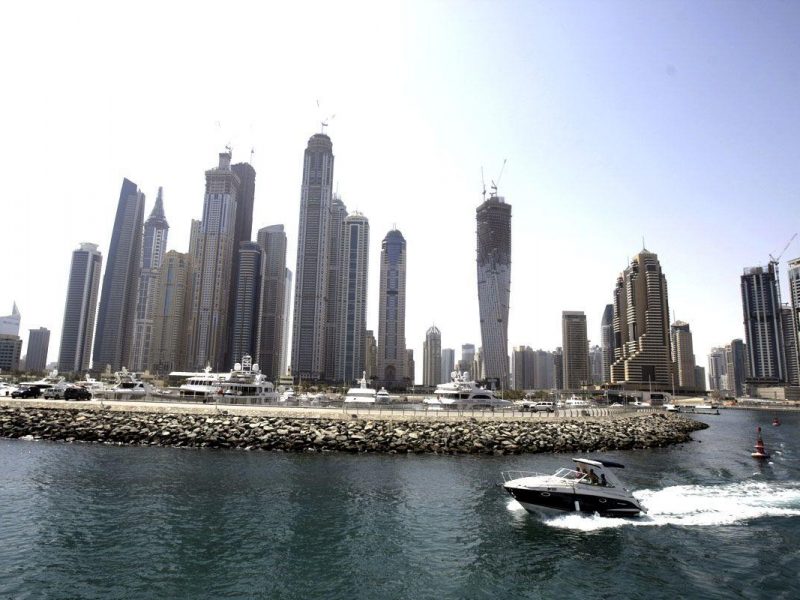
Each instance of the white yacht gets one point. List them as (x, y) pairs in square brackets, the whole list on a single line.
[(128, 386), (361, 394), (52, 379), (6, 389), (247, 385), (461, 392), (203, 384), (588, 488)]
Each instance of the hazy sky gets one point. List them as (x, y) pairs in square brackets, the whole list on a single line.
[(676, 122)]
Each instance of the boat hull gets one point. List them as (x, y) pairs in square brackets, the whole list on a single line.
[(559, 502)]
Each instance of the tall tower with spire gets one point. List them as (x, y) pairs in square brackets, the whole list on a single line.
[(113, 340), (154, 245), (494, 283), (311, 275)]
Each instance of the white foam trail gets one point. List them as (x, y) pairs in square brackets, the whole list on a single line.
[(514, 506), (699, 506)]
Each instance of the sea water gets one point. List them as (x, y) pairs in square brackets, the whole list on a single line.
[(93, 521)]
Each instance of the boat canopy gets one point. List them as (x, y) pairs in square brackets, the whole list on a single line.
[(596, 462)]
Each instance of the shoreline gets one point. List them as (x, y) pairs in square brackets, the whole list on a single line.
[(314, 434)]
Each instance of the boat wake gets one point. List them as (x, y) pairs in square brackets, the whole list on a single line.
[(694, 506)]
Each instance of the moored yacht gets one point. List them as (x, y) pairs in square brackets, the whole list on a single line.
[(591, 487), (247, 385), (128, 386), (361, 394), (461, 392)]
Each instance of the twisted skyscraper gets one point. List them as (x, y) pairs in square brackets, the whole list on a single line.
[(494, 284)]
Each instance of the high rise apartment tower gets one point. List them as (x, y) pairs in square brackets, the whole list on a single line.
[(763, 325), (642, 355), (350, 358), (311, 275), (171, 299), (154, 245), (114, 336), (432, 357), (80, 309), (212, 249), (336, 270), (392, 311), (607, 342), (273, 318), (683, 355), (38, 345), (494, 284), (575, 347), (248, 303)]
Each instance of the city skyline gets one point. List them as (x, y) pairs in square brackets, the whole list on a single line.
[(664, 135)]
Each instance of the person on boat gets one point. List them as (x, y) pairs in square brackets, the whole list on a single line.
[(603, 481), (593, 479)]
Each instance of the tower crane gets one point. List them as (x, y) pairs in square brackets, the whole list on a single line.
[(499, 177), (774, 260)]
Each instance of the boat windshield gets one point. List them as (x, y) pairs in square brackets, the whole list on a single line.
[(570, 474)]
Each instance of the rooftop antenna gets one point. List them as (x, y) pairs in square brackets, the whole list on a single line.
[(252, 153), (499, 177), (644, 247)]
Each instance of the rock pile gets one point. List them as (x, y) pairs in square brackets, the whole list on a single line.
[(298, 435)]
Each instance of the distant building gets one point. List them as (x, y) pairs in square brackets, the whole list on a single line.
[(247, 304), (392, 311), (79, 310), (10, 350), (467, 362), (448, 363), (575, 347), (9, 325), (544, 373), (717, 370), (642, 354), (170, 303), (311, 275), (352, 311), (558, 366), (113, 340), (494, 284), (683, 355), (790, 345), (523, 368), (410, 367), (371, 355), (700, 378), (273, 320), (596, 365), (337, 266), (607, 342), (38, 346), (763, 325), (432, 358), (736, 367), (154, 245), (287, 321), (794, 296)]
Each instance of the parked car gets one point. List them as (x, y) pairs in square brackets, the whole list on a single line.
[(54, 393), (544, 406), (77, 393), (26, 392)]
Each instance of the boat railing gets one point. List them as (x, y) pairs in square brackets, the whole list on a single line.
[(511, 475)]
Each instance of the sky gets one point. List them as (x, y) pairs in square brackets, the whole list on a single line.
[(669, 124)]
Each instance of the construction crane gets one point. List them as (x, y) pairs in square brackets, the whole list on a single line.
[(774, 260), (499, 177)]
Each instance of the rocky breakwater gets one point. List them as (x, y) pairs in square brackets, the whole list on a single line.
[(299, 435)]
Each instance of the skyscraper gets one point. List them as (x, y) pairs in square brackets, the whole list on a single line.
[(683, 355), (212, 249), (700, 378), (448, 363), (607, 341), (642, 355), (350, 360), (717, 369), (596, 365), (558, 369), (789, 328), (763, 325), (736, 367), (171, 300), (245, 317), (38, 345), (336, 268), (273, 319), (523, 368), (287, 321), (9, 325), (794, 296), (410, 367), (371, 355), (311, 275), (80, 309), (392, 311), (432, 357), (154, 245), (114, 336), (544, 375), (494, 284), (467, 362), (575, 345), (10, 349)]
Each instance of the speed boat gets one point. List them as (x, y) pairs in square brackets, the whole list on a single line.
[(590, 487)]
